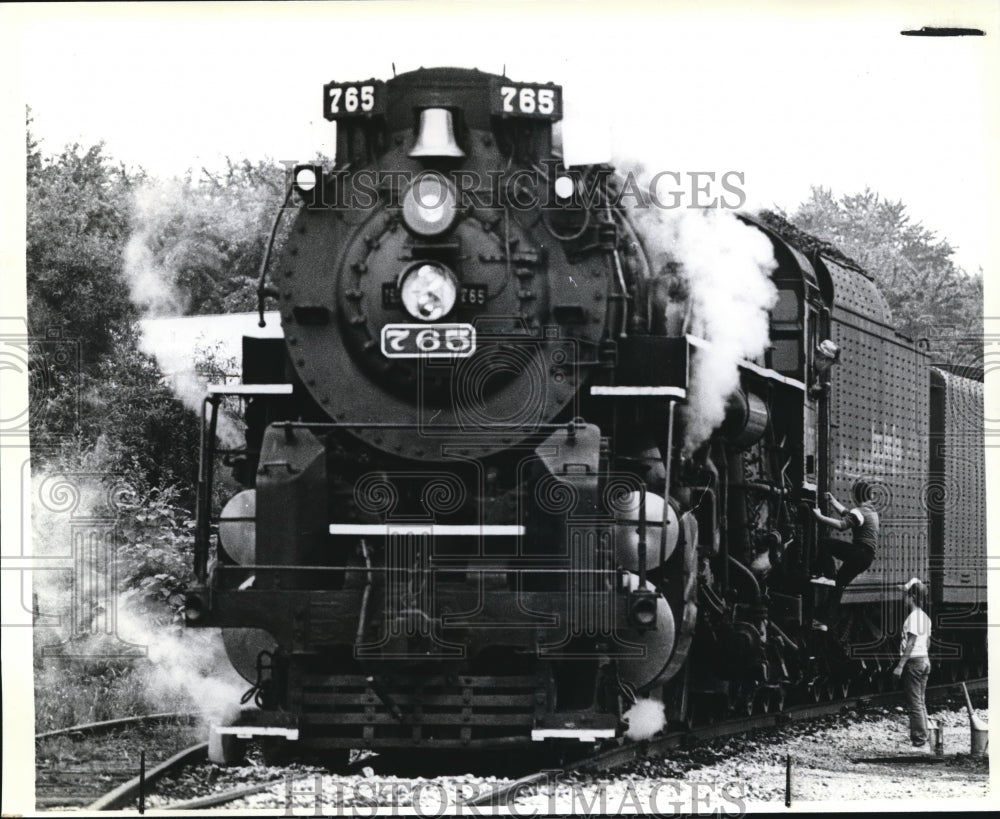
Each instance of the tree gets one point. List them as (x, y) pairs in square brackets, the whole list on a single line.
[(104, 403), (77, 224), (198, 244), (929, 295), (104, 243)]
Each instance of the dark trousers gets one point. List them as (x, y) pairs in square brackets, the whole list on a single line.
[(915, 674), (854, 557)]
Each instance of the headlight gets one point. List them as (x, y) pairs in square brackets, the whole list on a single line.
[(428, 291), (429, 204)]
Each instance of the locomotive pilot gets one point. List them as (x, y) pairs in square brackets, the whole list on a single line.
[(855, 556)]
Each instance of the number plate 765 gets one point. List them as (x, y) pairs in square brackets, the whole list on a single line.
[(428, 340)]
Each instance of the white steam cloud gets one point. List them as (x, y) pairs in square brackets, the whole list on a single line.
[(81, 616), (727, 266), (179, 344), (191, 665), (152, 274), (645, 719), (168, 236), (724, 267)]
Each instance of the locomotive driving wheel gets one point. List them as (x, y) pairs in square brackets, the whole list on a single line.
[(764, 699), (742, 696), (780, 694)]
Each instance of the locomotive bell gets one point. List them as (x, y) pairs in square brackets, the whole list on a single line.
[(437, 135)]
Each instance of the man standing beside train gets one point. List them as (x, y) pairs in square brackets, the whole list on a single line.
[(855, 556), (914, 664)]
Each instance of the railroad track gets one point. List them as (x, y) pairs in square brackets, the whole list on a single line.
[(232, 794), (75, 764), (132, 792), (627, 753), (113, 724)]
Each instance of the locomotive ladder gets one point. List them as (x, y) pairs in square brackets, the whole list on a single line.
[(210, 410), (673, 395)]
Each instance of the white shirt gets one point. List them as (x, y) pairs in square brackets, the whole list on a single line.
[(918, 624)]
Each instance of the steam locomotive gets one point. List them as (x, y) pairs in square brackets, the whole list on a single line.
[(467, 516)]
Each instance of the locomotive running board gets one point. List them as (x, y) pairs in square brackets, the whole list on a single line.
[(582, 734), (655, 392), (433, 529), (249, 731), (250, 389), (765, 372)]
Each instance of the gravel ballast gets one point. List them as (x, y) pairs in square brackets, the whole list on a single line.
[(832, 762)]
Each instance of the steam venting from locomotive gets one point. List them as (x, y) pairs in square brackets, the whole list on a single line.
[(645, 719), (727, 266), (714, 273), (165, 249), (151, 273), (81, 614)]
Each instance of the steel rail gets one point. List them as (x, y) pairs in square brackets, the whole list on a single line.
[(107, 725), (247, 790), (222, 797), (127, 792)]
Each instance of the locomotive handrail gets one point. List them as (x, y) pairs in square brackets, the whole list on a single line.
[(262, 292), (771, 375), (204, 492), (533, 568), (435, 529), (417, 425)]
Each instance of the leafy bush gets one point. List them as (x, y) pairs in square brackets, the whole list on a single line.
[(77, 691), (105, 415), (196, 246), (77, 224), (155, 557)]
